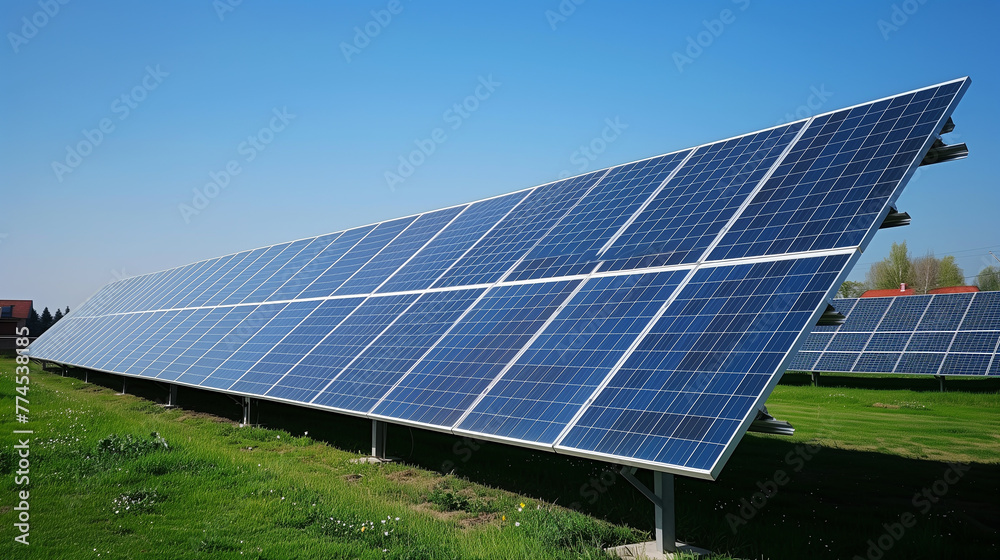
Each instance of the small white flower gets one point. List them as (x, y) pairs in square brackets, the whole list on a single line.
[(517, 523)]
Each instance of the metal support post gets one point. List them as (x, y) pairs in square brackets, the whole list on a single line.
[(172, 398), (379, 431), (124, 381), (63, 371), (662, 496), (663, 487), (940, 379), (246, 411), (815, 379)]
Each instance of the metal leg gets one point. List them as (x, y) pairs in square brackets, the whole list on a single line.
[(246, 411), (940, 379), (663, 487), (815, 379), (379, 430), (172, 399)]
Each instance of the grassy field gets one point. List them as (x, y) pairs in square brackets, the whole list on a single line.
[(103, 485)]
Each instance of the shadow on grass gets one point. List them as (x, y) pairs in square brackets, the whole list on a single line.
[(896, 382), (822, 502)]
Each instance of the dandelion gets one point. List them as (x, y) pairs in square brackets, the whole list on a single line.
[(503, 518)]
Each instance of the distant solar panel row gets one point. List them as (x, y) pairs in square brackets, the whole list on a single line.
[(638, 314), (940, 334)]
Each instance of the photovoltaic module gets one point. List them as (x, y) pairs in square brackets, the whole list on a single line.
[(639, 314)]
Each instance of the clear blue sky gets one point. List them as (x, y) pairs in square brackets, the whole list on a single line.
[(197, 85)]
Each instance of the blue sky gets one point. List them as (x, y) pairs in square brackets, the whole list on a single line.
[(308, 115)]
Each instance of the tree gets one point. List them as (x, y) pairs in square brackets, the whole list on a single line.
[(925, 273), (45, 322), (851, 289), (892, 271), (57, 316), (65, 313), (34, 323), (949, 273), (988, 279)]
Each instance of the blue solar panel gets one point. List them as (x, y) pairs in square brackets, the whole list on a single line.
[(378, 269), (303, 338), (267, 287), (359, 255), (573, 244), (318, 367), (305, 276), (941, 334), (515, 235), (699, 374), (397, 349), (279, 257), (840, 177), (591, 315), (693, 207), (270, 335), (241, 328), (454, 241), (538, 396), (446, 381)]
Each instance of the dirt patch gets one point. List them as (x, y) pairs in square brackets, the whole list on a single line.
[(429, 509), (883, 405), (4, 509), (193, 415), (403, 476), (352, 478), (481, 519)]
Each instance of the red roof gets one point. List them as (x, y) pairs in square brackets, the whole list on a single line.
[(22, 307), (889, 292), (910, 292), (953, 290)]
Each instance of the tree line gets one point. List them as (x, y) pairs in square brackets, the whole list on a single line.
[(37, 324), (922, 274)]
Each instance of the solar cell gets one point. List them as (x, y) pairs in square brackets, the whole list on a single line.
[(940, 334), (463, 362), (697, 378), (639, 314)]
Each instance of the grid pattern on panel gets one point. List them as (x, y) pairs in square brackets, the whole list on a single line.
[(209, 333), (446, 381), (597, 315), (390, 258), (839, 176), (489, 259), (572, 245), (316, 266), (468, 228), (257, 346), (359, 255), (268, 286), (241, 329), (281, 254), (303, 338), (939, 334), (538, 396), (698, 201), (389, 357), (318, 367), (699, 373)]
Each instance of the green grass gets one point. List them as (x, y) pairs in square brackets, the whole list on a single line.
[(120, 476)]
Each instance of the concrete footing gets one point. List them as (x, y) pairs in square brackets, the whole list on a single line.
[(648, 551)]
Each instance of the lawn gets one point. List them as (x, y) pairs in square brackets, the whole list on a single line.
[(118, 476)]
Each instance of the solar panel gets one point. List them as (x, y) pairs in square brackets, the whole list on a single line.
[(639, 314), (935, 334)]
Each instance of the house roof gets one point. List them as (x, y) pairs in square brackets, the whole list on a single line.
[(22, 307)]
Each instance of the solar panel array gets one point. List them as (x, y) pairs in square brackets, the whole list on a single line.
[(639, 314), (939, 334)]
